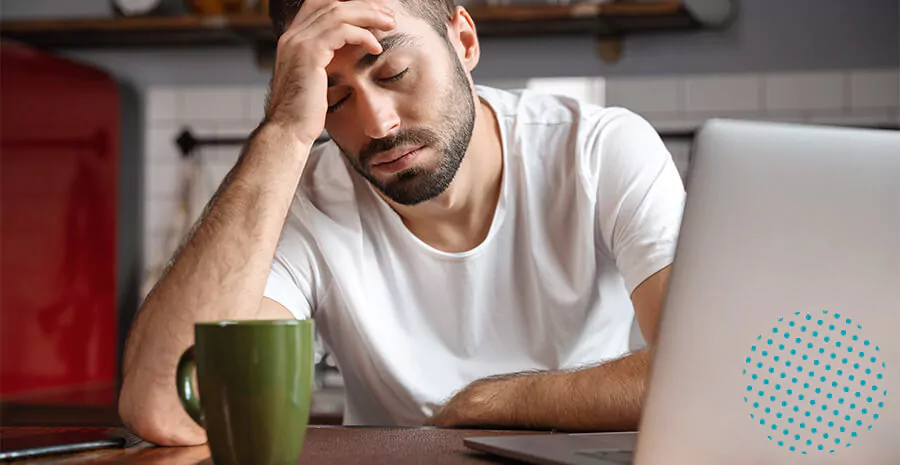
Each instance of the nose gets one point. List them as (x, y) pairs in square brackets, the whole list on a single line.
[(378, 114)]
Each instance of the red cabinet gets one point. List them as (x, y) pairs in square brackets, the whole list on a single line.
[(60, 130)]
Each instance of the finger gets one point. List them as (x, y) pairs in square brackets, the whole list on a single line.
[(365, 15), (353, 35), (308, 9), (337, 15), (358, 13)]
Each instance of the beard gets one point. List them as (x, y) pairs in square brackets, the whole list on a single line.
[(450, 140)]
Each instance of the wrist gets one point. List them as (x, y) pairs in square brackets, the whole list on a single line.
[(272, 162), (305, 130), (287, 135), (509, 402), (275, 152)]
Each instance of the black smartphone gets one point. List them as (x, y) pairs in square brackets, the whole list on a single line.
[(28, 446)]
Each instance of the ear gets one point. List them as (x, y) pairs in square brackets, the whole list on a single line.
[(464, 38)]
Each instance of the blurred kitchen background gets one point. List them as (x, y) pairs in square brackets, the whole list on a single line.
[(121, 117)]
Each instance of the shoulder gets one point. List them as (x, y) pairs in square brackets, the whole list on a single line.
[(530, 108), (567, 135), (533, 108), (583, 127)]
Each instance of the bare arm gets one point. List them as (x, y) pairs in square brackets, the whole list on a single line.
[(605, 397), (220, 272)]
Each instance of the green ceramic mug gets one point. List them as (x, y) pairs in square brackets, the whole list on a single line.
[(255, 380)]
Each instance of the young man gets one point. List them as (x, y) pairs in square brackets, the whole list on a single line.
[(472, 257)]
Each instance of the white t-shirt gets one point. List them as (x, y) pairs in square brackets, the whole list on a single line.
[(590, 206)]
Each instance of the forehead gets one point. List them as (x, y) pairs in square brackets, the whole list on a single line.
[(393, 4), (400, 8), (406, 23)]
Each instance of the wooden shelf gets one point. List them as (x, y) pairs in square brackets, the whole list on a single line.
[(604, 20)]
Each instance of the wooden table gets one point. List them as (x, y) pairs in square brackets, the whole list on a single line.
[(323, 445), (96, 406)]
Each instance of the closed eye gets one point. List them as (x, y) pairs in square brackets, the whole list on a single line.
[(394, 78), (333, 108)]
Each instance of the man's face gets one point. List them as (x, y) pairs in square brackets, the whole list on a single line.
[(403, 118)]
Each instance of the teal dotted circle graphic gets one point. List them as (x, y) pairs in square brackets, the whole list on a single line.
[(813, 382)]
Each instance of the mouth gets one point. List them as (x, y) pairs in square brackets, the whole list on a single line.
[(396, 160)]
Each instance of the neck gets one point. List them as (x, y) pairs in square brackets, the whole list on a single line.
[(460, 218)]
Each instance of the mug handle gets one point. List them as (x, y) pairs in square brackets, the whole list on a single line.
[(184, 380)]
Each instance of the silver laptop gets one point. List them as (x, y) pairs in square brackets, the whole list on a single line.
[(780, 340)]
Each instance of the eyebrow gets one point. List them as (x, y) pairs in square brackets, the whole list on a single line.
[(368, 60)]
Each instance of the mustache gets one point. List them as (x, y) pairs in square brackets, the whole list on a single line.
[(412, 136)]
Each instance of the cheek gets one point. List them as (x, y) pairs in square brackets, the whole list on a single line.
[(345, 128), (424, 104), (347, 140)]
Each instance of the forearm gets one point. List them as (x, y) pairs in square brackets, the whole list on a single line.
[(219, 273), (606, 397)]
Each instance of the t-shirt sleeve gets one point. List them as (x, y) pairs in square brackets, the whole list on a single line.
[(294, 277), (284, 288), (640, 195)]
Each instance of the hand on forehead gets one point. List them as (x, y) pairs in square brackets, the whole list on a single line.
[(409, 31)]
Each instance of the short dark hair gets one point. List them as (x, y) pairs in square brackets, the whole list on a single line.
[(436, 12)]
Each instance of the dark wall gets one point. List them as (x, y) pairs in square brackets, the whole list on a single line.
[(768, 35)]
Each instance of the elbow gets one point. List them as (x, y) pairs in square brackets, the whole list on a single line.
[(154, 420)]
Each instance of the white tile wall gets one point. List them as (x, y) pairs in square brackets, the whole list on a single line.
[(160, 146), (257, 103), (585, 89), (231, 129), (207, 112), (723, 93), (215, 104), (646, 95), (162, 104), (851, 97), (844, 97), (160, 212), (162, 180), (671, 103), (857, 118), (806, 91), (875, 89), (510, 84)]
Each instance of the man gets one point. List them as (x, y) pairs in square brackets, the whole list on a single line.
[(472, 257)]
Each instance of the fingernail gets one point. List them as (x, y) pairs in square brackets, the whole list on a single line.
[(387, 10)]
